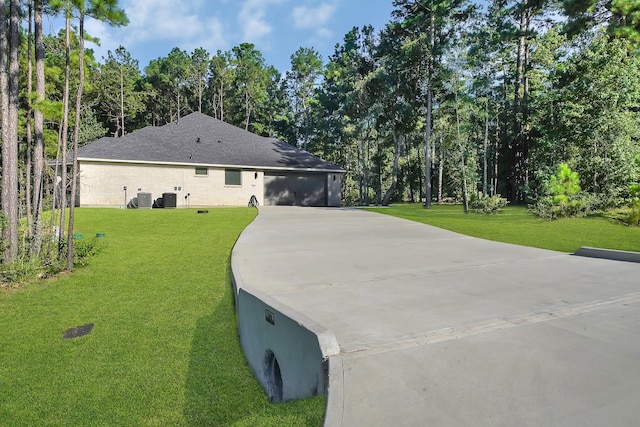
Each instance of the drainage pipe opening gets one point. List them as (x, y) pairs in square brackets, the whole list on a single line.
[(273, 377)]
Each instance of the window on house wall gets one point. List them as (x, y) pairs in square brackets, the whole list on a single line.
[(202, 171), (232, 177)]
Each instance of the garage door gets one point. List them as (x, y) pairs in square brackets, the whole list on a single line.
[(295, 189)]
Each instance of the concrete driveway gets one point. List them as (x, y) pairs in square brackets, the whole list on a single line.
[(441, 329)]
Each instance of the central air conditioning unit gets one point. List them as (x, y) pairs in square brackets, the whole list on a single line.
[(169, 200), (145, 201)]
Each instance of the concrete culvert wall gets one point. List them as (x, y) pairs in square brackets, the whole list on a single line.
[(286, 351)]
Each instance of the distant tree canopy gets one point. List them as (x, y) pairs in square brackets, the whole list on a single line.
[(452, 99)]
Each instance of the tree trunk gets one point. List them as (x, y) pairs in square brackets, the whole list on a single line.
[(64, 133), (221, 101), (496, 158), (429, 118), (397, 139), (10, 132), (76, 136), (247, 111), (38, 126), (178, 92), (517, 156), (427, 150), (485, 165), (122, 131), (440, 171), (6, 144), (29, 115), (463, 168)]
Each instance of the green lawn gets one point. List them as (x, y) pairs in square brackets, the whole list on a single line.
[(164, 349), (516, 225)]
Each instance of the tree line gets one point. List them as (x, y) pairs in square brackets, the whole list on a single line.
[(450, 101)]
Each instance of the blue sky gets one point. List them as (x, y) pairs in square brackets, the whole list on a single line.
[(277, 27)]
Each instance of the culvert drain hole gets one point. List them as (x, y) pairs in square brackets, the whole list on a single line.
[(274, 377)]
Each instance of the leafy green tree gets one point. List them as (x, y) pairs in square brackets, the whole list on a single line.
[(272, 116), (90, 127), (591, 120), (396, 84), (176, 68), (306, 69), (197, 74), (345, 116), (621, 16), (116, 87), (250, 84), (564, 185), (106, 11), (168, 76), (220, 81), (434, 24)]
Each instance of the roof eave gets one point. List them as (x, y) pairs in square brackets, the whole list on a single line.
[(211, 165)]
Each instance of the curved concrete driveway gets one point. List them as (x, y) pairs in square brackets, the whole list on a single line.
[(436, 328)]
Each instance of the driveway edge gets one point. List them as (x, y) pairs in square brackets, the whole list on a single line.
[(610, 254), (269, 329)]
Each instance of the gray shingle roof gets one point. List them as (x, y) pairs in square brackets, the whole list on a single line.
[(201, 139)]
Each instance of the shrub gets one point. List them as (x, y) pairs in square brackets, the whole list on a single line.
[(566, 199), (488, 205), (19, 270), (580, 205), (629, 215), (83, 250)]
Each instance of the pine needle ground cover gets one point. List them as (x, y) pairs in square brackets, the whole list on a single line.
[(164, 348), (516, 225)]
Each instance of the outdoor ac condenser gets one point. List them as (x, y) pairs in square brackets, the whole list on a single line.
[(145, 201), (169, 200)]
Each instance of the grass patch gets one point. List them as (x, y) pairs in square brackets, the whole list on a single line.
[(516, 225), (164, 349)]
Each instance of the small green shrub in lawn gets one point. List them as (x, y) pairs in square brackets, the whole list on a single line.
[(629, 215), (24, 270), (85, 249), (17, 271), (488, 205), (580, 205), (566, 198)]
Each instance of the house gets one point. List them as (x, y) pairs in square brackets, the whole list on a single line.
[(203, 161)]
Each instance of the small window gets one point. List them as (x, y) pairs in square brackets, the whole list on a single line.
[(232, 177), (202, 171)]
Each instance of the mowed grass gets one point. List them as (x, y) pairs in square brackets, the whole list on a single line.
[(516, 225), (164, 349)]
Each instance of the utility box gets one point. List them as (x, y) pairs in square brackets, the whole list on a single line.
[(169, 200), (145, 201)]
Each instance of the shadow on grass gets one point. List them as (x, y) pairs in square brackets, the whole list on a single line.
[(220, 388), (217, 370)]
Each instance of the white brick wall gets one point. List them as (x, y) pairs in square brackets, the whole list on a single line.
[(101, 184)]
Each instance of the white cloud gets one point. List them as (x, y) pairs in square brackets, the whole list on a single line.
[(103, 33), (252, 19), (312, 17), (175, 23), (325, 33), (164, 20), (211, 38)]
